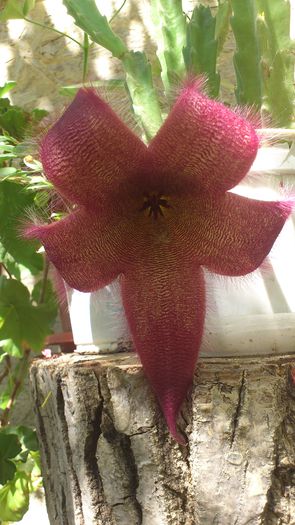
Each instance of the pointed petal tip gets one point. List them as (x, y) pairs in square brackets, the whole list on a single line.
[(88, 94), (194, 83), (34, 230), (287, 206), (29, 231), (181, 440), (189, 86), (171, 416), (251, 115), (31, 226)]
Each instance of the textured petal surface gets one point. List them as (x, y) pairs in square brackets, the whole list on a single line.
[(89, 153), (88, 251), (154, 216), (204, 142), (232, 235), (164, 302)]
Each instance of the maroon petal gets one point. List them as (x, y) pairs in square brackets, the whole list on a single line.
[(204, 142), (232, 235), (89, 153), (88, 251), (164, 302)]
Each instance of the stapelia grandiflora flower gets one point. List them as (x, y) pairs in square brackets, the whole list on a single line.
[(156, 216)]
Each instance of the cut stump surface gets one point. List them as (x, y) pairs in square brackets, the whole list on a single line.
[(108, 459)]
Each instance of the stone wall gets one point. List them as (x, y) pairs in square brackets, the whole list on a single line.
[(42, 61)]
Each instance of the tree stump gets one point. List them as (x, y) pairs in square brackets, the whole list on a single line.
[(108, 459)]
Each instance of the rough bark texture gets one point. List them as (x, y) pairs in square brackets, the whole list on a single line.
[(108, 459)]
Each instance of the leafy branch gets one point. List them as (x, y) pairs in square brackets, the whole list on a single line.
[(25, 318)]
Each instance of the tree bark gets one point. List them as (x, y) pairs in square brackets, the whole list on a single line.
[(108, 459)]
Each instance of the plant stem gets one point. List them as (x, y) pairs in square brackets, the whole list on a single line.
[(117, 12), (7, 368), (4, 374), (44, 281), (85, 56), (44, 26), (6, 270)]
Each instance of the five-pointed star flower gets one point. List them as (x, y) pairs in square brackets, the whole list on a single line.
[(155, 216)]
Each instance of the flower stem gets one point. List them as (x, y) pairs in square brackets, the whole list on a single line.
[(117, 12), (44, 26), (85, 56)]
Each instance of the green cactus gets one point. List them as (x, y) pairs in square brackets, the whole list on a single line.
[(222, 23), (140, 86), (277, 60), (138, 71), (205, 34), (88, 18), (170, 26), (247, 55)]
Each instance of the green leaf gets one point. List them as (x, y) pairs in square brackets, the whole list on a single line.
[(10, 348), (200, 53), (247, 56), (2, 354), (14, 498), (13, 292), (37, 322), (10, 447), (26, 435), (4, 147), (7, 87), (88, 17), (21, 321), (13, 9), (5, 138), (38, 114), (7, 156), (4, 105), (28, 6), (29, 438), (7, 172), (47, 295), (5, 398), (170, 25), (9, 262), (14, 122), (9, 321), (16, 9), (14, 204)]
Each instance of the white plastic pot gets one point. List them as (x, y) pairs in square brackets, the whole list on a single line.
[(251, 315)]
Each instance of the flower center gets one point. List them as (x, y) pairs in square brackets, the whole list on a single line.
[(154, 203)]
